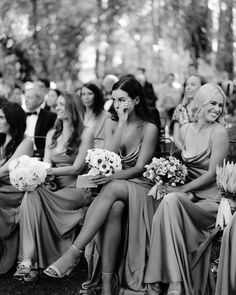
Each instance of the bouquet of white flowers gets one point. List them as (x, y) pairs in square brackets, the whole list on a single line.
[(101, 161), (226, 182), (27, 173), (165, 171)]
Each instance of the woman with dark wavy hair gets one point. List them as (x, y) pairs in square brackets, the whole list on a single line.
[(94, 114), (46, 217), (122, 212), (13, 144)]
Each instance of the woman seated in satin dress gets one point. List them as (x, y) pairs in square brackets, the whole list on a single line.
[(94, 114), (13, 144), (134, 137), (226, 276), (184, 223), (48, 219)]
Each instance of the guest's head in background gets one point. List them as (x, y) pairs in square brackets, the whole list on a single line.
[(92, 99), (34, 97), (193, 83), (107, 83), (51, 99), (17, 95)]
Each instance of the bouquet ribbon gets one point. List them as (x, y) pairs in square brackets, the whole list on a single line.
[(157, 191), (224, 214)]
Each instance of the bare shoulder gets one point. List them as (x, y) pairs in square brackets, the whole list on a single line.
[(27, 141), (50, 133), (220, 131), (106, 114), (150, 127), (110, 124), (87, 133)]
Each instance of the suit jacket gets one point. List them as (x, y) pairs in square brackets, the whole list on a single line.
[(45, 122), (149, 94)]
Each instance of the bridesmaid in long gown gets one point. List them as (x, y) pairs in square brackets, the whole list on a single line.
[(184, 223), (48, 219), (226, 277), (134, 137), (13, 144), (94, 114)]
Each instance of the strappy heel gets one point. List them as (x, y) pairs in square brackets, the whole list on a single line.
[(175, 288), (65, 264), (154, 289), (23, 268), (114, 281)]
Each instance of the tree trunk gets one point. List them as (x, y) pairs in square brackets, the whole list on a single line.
[(224, 56)]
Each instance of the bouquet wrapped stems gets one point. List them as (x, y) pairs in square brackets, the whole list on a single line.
[(226, 182), (158, 191)]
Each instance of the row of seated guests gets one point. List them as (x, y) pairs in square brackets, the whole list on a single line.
[(64, 137), (178, 243)]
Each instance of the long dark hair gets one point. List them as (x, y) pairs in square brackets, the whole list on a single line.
[(134, 89), (73, 110), (16, 118), (98, 100)]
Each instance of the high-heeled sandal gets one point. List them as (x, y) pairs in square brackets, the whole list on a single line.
[(154, 289), (23, 268), (175, 289), (32, 276), (71, 256), (114, 277)]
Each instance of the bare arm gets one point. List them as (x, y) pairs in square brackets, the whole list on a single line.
[(220, 143), (79, 163), (176, 136), (112, 136), (47, 157), (24, 148)]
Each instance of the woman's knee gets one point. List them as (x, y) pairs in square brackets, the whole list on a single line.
[(114, 189), (172, 198), (116, 210)]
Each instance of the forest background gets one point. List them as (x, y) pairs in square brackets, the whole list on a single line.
[(74, 40)]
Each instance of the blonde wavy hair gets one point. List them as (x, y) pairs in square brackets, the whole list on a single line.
[(205, 94)]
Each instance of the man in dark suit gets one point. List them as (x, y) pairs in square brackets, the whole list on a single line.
[(150, 96), (39, 121)]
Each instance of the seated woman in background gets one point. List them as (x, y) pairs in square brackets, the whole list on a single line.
[(226, 276), (48, 219), (13, 144), (182, 112), (94, 114), (134, 137), (184, 223), (51, 99)]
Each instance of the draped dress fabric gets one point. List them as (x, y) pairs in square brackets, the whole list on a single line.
[(226, 277), (48, 220), (135, 243), (98, 124), (182, 232), (10, 200)]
